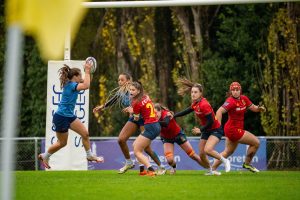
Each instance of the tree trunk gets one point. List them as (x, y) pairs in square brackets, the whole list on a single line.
[(163, 51), (191, 50)]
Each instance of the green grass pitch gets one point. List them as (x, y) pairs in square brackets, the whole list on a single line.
[(107, 184)]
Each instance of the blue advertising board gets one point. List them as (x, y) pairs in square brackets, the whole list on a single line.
[(114, 158)]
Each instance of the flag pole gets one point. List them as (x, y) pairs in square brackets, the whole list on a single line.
[(10, 108)]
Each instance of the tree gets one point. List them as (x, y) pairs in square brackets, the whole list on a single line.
[(281, 84), (281, 77), (233, 55)]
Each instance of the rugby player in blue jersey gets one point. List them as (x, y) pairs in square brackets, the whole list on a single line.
[(64, 118)]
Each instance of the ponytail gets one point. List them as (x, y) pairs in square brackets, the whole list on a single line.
[(185, 86), (66, 73), (159, 107)]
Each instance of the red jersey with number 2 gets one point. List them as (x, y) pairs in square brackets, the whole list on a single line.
[(145, 107), (172, 130), (203, 108)]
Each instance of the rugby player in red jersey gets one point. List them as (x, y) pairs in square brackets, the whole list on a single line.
[(142, 105), (236, 105), (172, 133), (210, 129), (121, 97)]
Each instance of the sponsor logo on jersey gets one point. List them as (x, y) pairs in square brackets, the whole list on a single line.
[(240, 108)]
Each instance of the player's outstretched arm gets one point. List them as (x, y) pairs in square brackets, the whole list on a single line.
[(87, 77), (184, 112)]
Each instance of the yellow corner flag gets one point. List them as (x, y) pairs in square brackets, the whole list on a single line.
[(48, 21)]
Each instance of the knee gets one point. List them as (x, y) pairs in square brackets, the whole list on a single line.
[(257, 144), (136, 148), (208, 150)]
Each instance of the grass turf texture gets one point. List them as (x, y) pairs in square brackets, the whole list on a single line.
[(107, 184)]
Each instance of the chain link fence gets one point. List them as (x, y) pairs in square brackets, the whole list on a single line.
[(283, 153)]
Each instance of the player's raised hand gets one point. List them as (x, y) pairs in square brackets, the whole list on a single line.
[(87, 67)]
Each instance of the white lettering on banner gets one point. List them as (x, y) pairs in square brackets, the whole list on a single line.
[(163, 159), (77, 141), (53, 140), (80, 105), (241, 159), (56, 97)]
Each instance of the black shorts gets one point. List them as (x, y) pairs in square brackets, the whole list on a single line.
[(139, 122), (219, 133), (179, 139)]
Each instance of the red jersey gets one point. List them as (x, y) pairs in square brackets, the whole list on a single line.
[(172, 130), (145, 107), (203, 108), (236, 109)]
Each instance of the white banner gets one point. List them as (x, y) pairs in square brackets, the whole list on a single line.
[(72, 156)]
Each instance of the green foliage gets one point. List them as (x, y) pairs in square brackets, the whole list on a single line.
[(139, 33), (34, 92), (233, 56), (281, 77)]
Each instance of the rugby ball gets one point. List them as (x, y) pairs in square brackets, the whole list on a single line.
[(92, 61)]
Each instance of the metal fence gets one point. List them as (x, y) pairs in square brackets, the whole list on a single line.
[(283, 153)]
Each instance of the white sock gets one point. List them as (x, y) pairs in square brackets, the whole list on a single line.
[(161, 166), (129, 161), (223, 159), (46, 155), (89, 153)]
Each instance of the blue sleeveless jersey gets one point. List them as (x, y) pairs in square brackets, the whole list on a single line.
[(68, 101), (126, 99)]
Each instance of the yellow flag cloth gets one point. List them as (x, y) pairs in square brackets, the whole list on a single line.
[(48, 21)]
